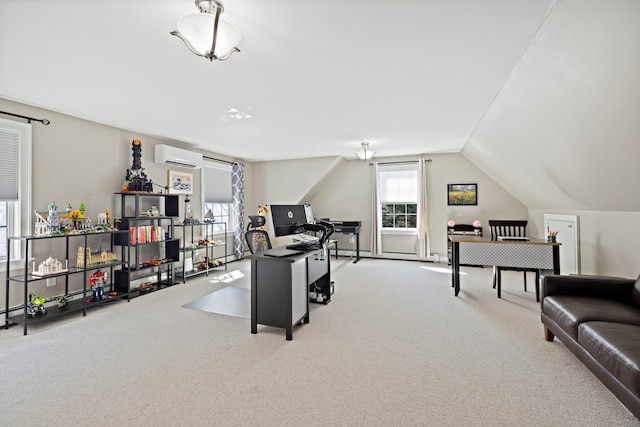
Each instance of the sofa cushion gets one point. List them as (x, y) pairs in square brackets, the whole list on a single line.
[(635, 293), (616, 346), (568, 311)]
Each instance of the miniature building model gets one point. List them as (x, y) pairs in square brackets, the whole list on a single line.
[(103, 257), (50, 224), (48, 266), (136, 179), (40, 227)]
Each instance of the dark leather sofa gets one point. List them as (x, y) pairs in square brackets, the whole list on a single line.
[(598, 319)]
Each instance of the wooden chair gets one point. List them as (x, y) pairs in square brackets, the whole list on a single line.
[(511, 228), (257, 240)]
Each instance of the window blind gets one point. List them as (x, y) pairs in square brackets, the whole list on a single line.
[(216, 184), (9, 164), (399, 184)]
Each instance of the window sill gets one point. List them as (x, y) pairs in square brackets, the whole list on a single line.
[(400, 231), (15, 264)]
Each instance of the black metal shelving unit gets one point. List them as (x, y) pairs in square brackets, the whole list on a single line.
[(191, 233), (155, 255), (26, 278)]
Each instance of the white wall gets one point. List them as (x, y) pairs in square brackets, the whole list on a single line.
[(564, 130), (608, 241)]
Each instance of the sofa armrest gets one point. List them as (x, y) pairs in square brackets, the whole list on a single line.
[(606, 287)]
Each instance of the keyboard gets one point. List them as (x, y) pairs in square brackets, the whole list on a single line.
[(305, 246), (513, 239)]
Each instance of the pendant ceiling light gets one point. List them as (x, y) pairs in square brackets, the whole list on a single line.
[(205, 34), (365, 153)]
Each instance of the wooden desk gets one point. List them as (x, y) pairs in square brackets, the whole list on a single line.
[(533, 253)]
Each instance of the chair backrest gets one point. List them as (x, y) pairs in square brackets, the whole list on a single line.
[(256, 221), (507, 227), (257, 240)]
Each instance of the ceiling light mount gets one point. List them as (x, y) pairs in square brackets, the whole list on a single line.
[(365, 153), (205, 34)]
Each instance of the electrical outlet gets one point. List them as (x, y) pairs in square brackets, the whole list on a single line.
[(51, 281)]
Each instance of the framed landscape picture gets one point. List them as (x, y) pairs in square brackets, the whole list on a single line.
[(462, 194), (180, 182)]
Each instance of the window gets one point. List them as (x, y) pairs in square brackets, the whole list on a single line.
[(399, 215), (217, 195), (221, 213), (399, 196), (15, 184), (3, 230)]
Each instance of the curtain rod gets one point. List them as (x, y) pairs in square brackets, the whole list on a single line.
[(401, 163), (218, 160), (30, 119)]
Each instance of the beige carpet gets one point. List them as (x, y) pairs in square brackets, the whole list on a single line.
[(393, 348)]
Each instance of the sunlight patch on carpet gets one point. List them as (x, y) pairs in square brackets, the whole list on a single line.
[(229, 277), (230, 301), (442, 270)]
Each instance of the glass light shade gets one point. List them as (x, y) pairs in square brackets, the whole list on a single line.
[(365, 153), (198, 30)]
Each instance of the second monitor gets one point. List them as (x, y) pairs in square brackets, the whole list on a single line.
[(288, 219)]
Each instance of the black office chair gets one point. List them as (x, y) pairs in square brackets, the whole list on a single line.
[(257, 240), (511, 228)]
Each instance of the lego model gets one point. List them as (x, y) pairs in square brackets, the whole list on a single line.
[(49, 266), (97, 281), (136, 180)]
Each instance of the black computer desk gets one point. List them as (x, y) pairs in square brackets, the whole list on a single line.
[(281, 286), (349, 227)]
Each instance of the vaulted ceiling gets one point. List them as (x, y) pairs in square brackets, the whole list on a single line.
[(544, 95)]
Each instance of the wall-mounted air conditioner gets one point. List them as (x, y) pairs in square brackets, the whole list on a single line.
[(173, 156)]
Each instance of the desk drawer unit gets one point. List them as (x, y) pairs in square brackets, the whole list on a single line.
[(279, 294), (299, 295)]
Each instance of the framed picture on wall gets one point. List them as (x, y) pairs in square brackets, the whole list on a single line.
[(462, 194), (180, 182)]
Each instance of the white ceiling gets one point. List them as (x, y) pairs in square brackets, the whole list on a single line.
[(542, 95), (317, 77)]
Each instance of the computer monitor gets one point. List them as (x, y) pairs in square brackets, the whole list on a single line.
[(288, 219), (309, 213)]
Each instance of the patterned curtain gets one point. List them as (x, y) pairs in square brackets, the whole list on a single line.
[(237, 189)]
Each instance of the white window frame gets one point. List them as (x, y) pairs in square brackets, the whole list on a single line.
[(397, 215), (19, 216), (217, 227), (398, 199)]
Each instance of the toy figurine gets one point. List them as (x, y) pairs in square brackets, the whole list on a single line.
[(63, 300), (35, 305), (97, 281)]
